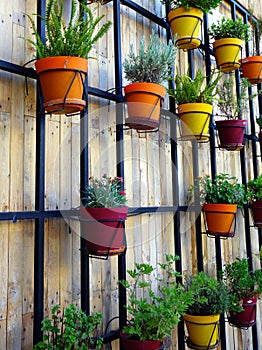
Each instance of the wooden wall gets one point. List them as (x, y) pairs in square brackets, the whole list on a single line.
[(148, 176)]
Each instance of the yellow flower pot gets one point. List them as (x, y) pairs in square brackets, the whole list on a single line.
[(185, 26), (194, 121), (227, 53), (203, 331)]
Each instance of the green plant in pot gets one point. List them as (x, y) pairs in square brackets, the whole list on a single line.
[(211, 299), (220, 198), (153, 316), (255, 201), (245, 286), (70, 329), (62, 63), (146, 71), (194, 98), (185, 18), (102, 214), (251, 66), (228, 38)]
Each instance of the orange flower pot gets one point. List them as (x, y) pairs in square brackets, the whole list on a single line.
[(227, 53), (143, 105), (61, 80), (252, 69), (185, 26), (220, 219)]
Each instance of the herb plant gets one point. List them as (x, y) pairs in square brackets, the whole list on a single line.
[(255, 188), (188, 90), (152, 63), (70, 329), (105, 192), (205, 5), (210, 295), (154, 317), (73, 39), (223, 189), (228, 28)]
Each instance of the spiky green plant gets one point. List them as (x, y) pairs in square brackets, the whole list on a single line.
[(152, 63), (75, 38)]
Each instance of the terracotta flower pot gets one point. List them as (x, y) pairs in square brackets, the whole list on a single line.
[(143, 105), (103, 228), (185, 26), (220, 219), (61, 80), (231, 134), (256, 209), (128, 343), (202, 330), (246, 318), (252, 69), (227, 53), (195, 119)]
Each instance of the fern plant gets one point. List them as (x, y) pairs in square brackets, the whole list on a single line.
[(75, 38), (152, 63)]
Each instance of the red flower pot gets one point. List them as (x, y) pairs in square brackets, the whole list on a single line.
[(246, 318), (103, 228), (256, 209), (231, 133), (128, 343)]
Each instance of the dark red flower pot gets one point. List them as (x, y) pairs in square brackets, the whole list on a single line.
[(246, 318), (256, 209), (103, 228), (128, 343), (231, 133)]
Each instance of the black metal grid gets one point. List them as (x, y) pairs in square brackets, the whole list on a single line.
[(40, 214)]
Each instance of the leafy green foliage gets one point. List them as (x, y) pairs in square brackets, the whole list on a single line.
[(259, 121), (242, 282), (228, 28), (223, 189), (154, 315), (210, 295), (188, 90), (70, 330), (255, 188), (205, 5), (73, 39), (104, 193), (152, 63)]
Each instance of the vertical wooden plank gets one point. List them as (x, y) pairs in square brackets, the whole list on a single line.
[(27, 332)]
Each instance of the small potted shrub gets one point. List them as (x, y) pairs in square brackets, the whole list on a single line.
[(193, 98), (211, 299), (154, 315), (185, 18), (61, 63), (70, 328), (103, 214), (146, 71), (232, 129), (220, 198), (255, 188), (245, 287), (228, 38)]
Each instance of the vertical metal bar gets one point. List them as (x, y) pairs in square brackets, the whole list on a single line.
[(39, 204)]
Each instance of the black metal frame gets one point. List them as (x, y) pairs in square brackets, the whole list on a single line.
[(40, 214)]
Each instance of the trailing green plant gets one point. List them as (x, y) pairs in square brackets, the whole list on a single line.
[(228, 28), (259, 121), (155, 315), (204, 5), (223, 189), (75, 38), (70, 329), (104, 192), (255, 188), (210, 295), (188, 90), (152, 63), (242, 283)]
